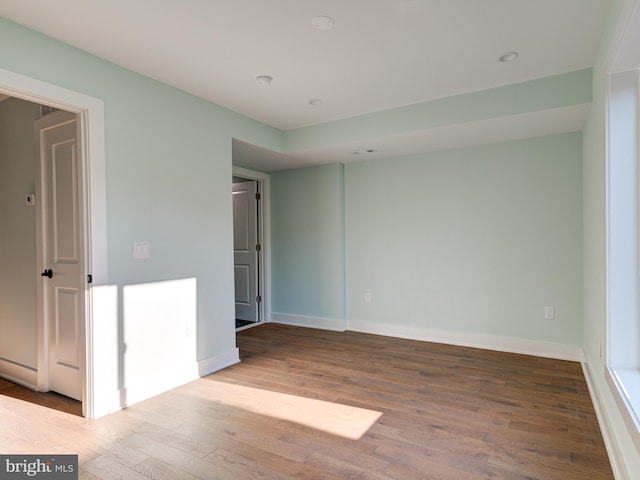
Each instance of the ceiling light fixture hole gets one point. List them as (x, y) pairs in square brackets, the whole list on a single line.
[(364, 151), (508, 57)]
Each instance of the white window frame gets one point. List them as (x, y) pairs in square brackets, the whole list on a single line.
[(623, 222), (623, 246)]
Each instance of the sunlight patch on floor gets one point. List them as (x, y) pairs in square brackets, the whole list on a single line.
[(334, 418)]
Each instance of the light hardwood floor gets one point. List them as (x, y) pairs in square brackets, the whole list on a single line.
[(311, 404)]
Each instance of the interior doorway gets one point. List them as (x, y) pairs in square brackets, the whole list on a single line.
[(42, 314), (246, 251), (250, 224), (91, 144)]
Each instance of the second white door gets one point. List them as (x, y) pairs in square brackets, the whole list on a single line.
[(246, 250)]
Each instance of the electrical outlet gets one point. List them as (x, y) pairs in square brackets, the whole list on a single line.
[(367, 297), (549, 312)]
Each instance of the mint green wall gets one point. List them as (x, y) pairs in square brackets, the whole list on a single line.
[(475, 240), (594, 230), (307, 235), (17, 233), (168, 181)]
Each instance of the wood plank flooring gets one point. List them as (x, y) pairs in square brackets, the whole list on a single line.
[(49, 399), (311, 404)]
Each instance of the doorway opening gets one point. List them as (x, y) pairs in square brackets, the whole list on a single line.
[(247, 251), (249, 191), (43, 348), (89, 112)]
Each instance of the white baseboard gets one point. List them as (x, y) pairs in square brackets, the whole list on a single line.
[(338, 325), (476, 340), (464, 339), (218, 362), (615, 458), (163, 382), (17, 373)]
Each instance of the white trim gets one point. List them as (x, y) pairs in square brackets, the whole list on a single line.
[(322, 323), (607, 223), (624, 43), (604, 422), (91, 114), (476, 340), (521, 346), (625, 401), (218, 362), (167, 380), (265, 235), (25, 376)]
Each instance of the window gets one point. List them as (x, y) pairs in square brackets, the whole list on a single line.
[(623, 245)]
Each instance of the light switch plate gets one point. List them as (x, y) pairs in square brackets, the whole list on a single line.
[(141, 249)]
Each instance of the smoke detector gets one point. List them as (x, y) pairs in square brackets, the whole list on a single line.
[(322, 23)]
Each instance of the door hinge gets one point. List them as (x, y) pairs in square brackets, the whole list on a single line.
[(257, 196), (258, 248), (259, 298), (89, 278)]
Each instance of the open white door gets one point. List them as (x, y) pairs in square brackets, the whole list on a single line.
[(246, 250), (60, 257)]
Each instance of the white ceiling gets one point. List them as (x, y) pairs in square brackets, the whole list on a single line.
[(380, 54)]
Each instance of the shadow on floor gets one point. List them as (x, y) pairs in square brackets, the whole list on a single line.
[(51, 400), (243, 323)]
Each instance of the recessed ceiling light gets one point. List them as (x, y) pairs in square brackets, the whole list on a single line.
[(322, 23), (264, 80), (365, 151), (508, 57), (315, 102)]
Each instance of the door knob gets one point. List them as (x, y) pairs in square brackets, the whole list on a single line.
[(47, 273)]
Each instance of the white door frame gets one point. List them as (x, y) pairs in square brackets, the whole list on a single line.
[(264, 208), (90, 112)]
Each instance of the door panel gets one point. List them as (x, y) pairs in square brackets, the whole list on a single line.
[(66, 327), (63, 291), (245, 240), (64, 208), (242, 277)]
